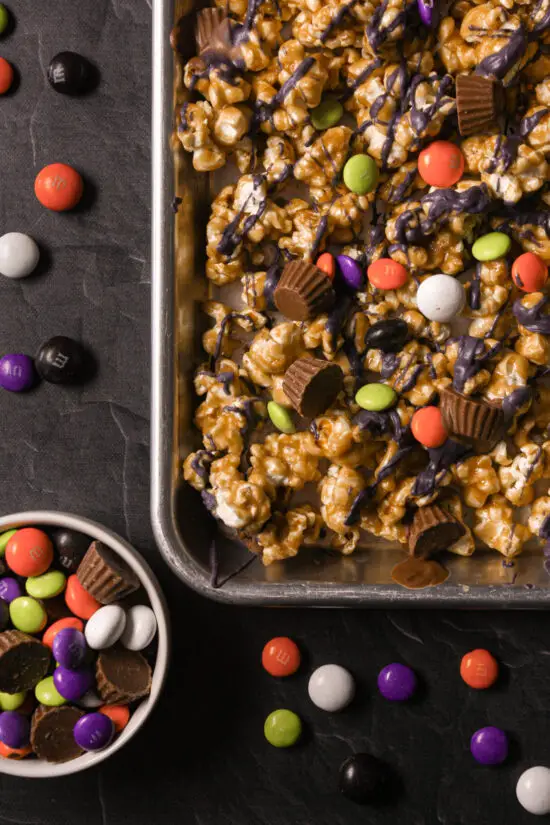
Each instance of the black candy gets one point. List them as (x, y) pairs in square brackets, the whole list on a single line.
[(4, 615), (362, 778), (70, 74), (389, 336), (70, 546), (62, 360)]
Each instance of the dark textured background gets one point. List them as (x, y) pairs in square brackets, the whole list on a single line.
[(202, 759)]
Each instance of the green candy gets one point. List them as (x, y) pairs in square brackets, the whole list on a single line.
[(47, 585), (4, 538), (12, 701), (282, 728), (492, 246), (47, 693), (27, 614), (328, 113), (280, 417), (376, 397), (361, 174), (4, 18)]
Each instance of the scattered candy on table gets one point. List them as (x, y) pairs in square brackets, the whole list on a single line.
[(428, 428), (59, 187), (479, 669), (397, 682), (4, 18), (489, 746), (69, 73), (331, 688), (281, 656), (376, 397), (529, 272), (533, 790), (19, 255), (441, 164), (492, 246), (6, 76), (361, 174), (17, 372), (440, 298), (61, 360), (282, 728), (386, 273), (362, 778), (29, 552), (280, 417)]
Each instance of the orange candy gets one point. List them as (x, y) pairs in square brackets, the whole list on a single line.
[(6, 76), (53, 630), (441, 163), (387, 274), (29, 552), (14, 753), (58, 187), (529, 272), (119, 715), (428, 428), (326, 263), (281, 656), (479, 669), (79, 600)]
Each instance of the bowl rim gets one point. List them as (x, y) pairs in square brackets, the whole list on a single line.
[(38, 768)]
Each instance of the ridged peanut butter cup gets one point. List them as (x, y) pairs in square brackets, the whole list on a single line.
[(303, 291), (433, 530), (478, 104), (122, 675), (24, 661), (311, 385), (105, 575), (52, 736), (471, 418)]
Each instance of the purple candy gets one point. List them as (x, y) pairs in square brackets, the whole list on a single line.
[(10, 589), (396, 682), (72, 684), (350, 271), (69, 648), (426, 9), (14, 729), (489, 746), (94, 731), (17, 372)]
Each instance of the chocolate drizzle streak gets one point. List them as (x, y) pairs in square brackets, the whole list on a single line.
[(472, 357), (533, 319)]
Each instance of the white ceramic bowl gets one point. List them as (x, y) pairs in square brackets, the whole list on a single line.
[(37, 768)]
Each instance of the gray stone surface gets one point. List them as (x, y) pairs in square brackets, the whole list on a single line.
[(202, 759)]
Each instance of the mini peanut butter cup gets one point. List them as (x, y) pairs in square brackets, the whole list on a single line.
[(122, 675), (52, 735), (478, 101), (471, 418), (105, 575), (24, 661), (433, 529), (303, 291), (311, 385)]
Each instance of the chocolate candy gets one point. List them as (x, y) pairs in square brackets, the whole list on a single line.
[(375, 397), (529, 272), (281, 656), (479, 669), (90, 700), (397, 682), (311, 385), (6, 76), (428, 428), (122, 675), (61, 360), (106, 626), (118, 714), (361, 174), (94, 731), (72, 684), (12, 701), (441, 164), (350, 271), (4, 614), (27, 614), (331, 687), (29, 552), (70, 547), (303, 291), (19, 255), (4, 538), (78, 600), (440, 298), (491, 246), (362, 778), (52, 735), (426, 11), (388, 336), (280, 417), (327, 114), (69, 647), (325, 262), (433, 529), (47, 694), (50, 634), (489, 746), (4, 18), (58, 187), (47, 586), (471, 418), (478, 102), (385, 273), (17, 372), (104, 575), (23, 661), (140, 629), (533, 790), (282, 728), (14, 729), (70, 74)]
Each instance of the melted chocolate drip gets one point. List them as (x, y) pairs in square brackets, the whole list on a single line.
[(533, 319), (471, 358), (528, 124), (441, 459), (498, 65), (515, 401)]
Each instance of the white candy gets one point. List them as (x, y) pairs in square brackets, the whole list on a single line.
[(533, 790), (105, 627), (19, 255), (440, 298), (141, 626), (90, 700), (331, 687)]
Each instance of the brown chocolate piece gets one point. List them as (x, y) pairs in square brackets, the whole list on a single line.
[(105, 575), (415, 574), (303, 291), (478, 101), (122, 675), (213, 36), (471, 418), (311, 385), (24, 661), (433, 529), (52, 735)]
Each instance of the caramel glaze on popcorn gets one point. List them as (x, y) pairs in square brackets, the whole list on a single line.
[(351, 473)]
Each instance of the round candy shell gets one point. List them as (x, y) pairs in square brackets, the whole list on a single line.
[(53, 630), (281, 656), (6, 76), (29, 552), (69, 648), (19, 255), (479, 669), (141, 627), (118, 714), (529, 272), (94, 731), (79, 600), (386, 273), (441, 164), (533, 790), (58, 187), (331, 688), (428, 428), (27, 614), (440, 298)]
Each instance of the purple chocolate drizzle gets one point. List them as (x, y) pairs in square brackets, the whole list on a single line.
[(533, 319), (471, 358), (498, 65), (515, 401), (441, 459), (528, 124)]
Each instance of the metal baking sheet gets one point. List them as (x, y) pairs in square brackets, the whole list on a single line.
[(183, 528)]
